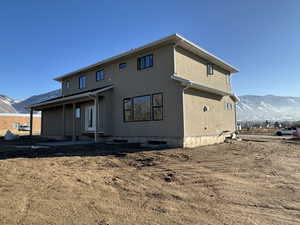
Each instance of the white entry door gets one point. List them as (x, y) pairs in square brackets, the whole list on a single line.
[(90, 118)]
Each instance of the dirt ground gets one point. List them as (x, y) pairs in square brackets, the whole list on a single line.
[(243, 182)]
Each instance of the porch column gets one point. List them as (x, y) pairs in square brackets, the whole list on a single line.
[(96, 117), (63, 120), (31, 121), (74, 123)]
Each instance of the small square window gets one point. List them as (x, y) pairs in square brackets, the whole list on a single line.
[(122, 65), (100, 75), (145, 62), (210, 69)]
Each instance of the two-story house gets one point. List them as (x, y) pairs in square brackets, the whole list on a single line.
[(169, 91)]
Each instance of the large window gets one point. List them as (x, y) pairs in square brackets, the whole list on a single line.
[(157, 106), (143, 108), (82, 82), (127, 109), (100, 75), (145, 62)]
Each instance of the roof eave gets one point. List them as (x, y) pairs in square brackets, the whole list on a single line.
[(191, 84), (125, 54), (181, 41), (210, 56)]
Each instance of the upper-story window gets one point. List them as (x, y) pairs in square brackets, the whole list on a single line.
[(67, 84), (145, 62), (82, 82), (122, 65), (210, 69), (228, 106), (100, 75)]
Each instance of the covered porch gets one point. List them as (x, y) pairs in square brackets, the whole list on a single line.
[(75, 116)]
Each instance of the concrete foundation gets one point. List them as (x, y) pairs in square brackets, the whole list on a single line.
[(170, 141), (192, 142), (186, 142)]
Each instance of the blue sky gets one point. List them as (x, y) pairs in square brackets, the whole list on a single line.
[(40, 40)]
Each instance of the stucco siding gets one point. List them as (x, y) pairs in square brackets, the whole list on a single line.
[(192, 67), (52, 122), (131, 83), (206, 123), (184, 119)]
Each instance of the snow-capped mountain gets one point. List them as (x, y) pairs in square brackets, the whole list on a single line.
[(21, 106), (250, 107), (6, 105), (268, 107)]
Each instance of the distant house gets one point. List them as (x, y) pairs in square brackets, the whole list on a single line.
[(169, 91), (19, 123)]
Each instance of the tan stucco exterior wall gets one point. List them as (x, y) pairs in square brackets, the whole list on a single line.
[(198, 122), (184, 119), (128, 82), (52, 121), (131, 83), (204, 127), (192, 67)]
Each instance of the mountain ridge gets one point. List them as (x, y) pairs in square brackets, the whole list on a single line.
[(249, 108), (268, 107), (9, 105)]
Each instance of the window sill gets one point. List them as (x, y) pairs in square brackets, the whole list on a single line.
[(146, 69)]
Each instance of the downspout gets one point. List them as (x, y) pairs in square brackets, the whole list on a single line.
[(185, 88), (230, 88), (174, 59), (235, 117), (184, 111)]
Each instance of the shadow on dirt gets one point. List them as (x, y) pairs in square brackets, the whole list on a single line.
[(27, 147)]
